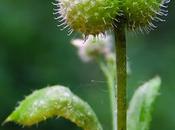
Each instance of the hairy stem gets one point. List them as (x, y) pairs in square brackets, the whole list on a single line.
[(108, 71), (120, 45), (113, 106)]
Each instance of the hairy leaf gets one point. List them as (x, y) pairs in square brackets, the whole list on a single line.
[(139, 112), (55, 101)]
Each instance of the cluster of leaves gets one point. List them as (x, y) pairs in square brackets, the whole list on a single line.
[(60, 101)]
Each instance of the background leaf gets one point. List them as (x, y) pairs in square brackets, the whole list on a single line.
[(55, 101), (139, 112)]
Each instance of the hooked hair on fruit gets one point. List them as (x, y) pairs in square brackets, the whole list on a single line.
[(94, 17), (90, 17), (143, 15)]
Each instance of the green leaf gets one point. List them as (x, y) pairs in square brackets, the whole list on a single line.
[(140, 108), (55, 101)]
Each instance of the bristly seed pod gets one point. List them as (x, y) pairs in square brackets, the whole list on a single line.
[(93, 17), (143, 14), (90, 17)]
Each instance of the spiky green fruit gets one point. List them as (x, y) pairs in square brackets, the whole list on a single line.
[(141, 14), (90, 17)]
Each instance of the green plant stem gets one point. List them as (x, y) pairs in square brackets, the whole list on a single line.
[(113, 104), (120, 44), (108, 70)]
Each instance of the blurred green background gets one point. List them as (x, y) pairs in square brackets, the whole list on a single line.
[(34, 53)]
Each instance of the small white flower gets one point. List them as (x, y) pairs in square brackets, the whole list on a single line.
[(94, 48)]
